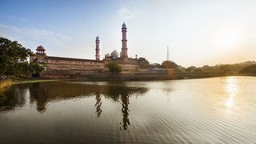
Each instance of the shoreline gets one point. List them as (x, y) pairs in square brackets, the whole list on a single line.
[(6, 83), (118, 77), (150, 76), (27, 81)]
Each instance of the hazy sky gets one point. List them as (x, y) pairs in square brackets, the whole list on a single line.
[(198, 32)]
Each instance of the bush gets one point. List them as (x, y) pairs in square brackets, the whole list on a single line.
[(114, 67)]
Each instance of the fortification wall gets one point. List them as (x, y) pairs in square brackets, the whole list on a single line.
[(130, 67), (70, 66)]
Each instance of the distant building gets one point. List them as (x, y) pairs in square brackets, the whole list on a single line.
[(74, 66)]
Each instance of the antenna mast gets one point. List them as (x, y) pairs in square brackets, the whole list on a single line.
[(168, 57)]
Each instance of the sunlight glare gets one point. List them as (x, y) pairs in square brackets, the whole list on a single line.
[(228, 40), (231, 89)]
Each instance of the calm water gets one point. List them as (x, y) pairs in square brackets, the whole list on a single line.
[(214, 110)]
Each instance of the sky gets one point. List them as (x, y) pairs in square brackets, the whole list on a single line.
[(197, 32)]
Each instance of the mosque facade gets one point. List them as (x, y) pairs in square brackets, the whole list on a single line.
[(74, 66)]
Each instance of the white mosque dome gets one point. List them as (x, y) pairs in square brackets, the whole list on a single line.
[(114, 54)]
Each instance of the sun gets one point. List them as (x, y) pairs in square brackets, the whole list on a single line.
[(228, 40)]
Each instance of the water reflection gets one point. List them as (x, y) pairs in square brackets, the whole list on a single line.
[(131, 112), (231, 88), (12, 98), (125, 111), (98, 105), (39, 94), (122, 92), (43, 93)]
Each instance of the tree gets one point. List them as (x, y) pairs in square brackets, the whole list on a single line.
[(169, 64), (155, 65), (35, 69), (13, 58), (250, 69), (143, 63), (191, 69), (225, 69), (114, 67), (21, 69)]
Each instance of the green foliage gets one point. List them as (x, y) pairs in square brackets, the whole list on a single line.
[(207, 68), (114, 67), (155, 65), (13, 58), (249, 69), (225, 69), (35, 68), (10, 54), (21, 69), (143, 63), (191, 69)]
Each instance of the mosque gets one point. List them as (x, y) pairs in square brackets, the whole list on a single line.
[(74, 66)]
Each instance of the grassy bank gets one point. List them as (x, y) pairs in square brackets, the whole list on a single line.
[(35, 81), (9, 82), (5, 83)]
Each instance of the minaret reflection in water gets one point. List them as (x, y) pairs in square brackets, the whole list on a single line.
[(42, 94), (125, 111), (98, 104), (123, 93)]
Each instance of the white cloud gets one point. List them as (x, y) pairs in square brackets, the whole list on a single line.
[(125, 14), (33, 37)]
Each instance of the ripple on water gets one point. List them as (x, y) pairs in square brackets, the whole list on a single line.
[(216, 110)]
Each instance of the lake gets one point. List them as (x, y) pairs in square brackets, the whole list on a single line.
[(211, 110)]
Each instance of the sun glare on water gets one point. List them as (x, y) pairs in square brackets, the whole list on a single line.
[(231, 89)]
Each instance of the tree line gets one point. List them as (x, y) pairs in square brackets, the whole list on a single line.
[(248, 67), (13, 60)]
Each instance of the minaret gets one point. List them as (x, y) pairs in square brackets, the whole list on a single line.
[(97, 41), (124, 55)]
